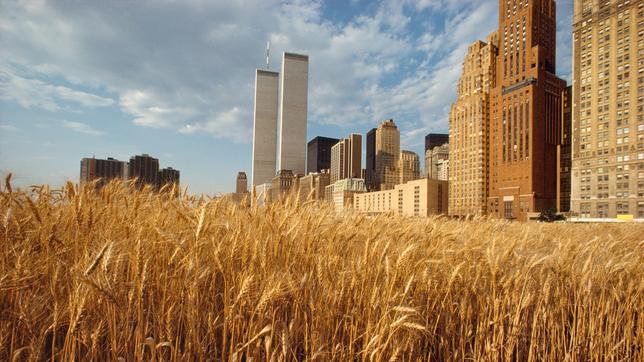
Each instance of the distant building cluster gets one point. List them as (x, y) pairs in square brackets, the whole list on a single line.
[(142, 169), (521, 142)]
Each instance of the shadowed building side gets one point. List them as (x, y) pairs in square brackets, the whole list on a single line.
[(318, 155)]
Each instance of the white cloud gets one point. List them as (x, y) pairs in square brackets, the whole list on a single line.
[(8, 127), (81, 128), (35, 93), (150, 111), (397, 59), (225, 125)]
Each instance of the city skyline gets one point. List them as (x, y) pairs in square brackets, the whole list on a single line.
[(56, 106)]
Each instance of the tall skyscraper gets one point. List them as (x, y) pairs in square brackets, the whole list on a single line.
[(318, 154), (145, 169), (408, 166), (387, 154), (241, 183), (525, 111), (346, 158), (564, 155), (265, 127), (608, 108), (102, 170), (435, 139), (469, 127), (370, 170), (293, 112)]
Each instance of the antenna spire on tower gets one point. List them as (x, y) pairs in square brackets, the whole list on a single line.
[(268, 49)]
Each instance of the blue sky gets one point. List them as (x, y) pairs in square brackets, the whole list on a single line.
[(175, 78)]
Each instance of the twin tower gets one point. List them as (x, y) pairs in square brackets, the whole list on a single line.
[(280, 96)]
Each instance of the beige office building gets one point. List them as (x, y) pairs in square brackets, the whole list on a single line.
[(264, 127), (283, 183), (293, 113), (387, 152), (421, 197), (408, 167), (469, 131), (313, 185), (346, 158), (433, 158), (341, 193), (608, 109)]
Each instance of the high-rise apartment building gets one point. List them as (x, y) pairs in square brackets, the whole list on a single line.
[(318, 155), (564, 153), (346, 158), (293, 113), (469, 127), (102, 170), (608, 108), (435, 139), (145, 169), (408, 166), (525, 123), (241, 183), (435, 157), (169, 176), (387, 155), (370, 169), (265, 127)]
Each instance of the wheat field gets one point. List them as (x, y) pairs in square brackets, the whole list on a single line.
[(129, 275)]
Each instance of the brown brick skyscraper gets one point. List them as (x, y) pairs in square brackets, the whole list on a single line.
[(525, 111)]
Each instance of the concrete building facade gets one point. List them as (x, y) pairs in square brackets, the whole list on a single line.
[(169, 177), (341, 193), (433, 158), (442, 170), (608, 109), (313, 185), (265, 127), (318, 154), (241, 183), (145, 169), (387, 154), (282, 183), (408, 166), (564, 153), (422, 197), (102, 170), (346, 158), (525, 123), (469, 128), (293, 113)]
